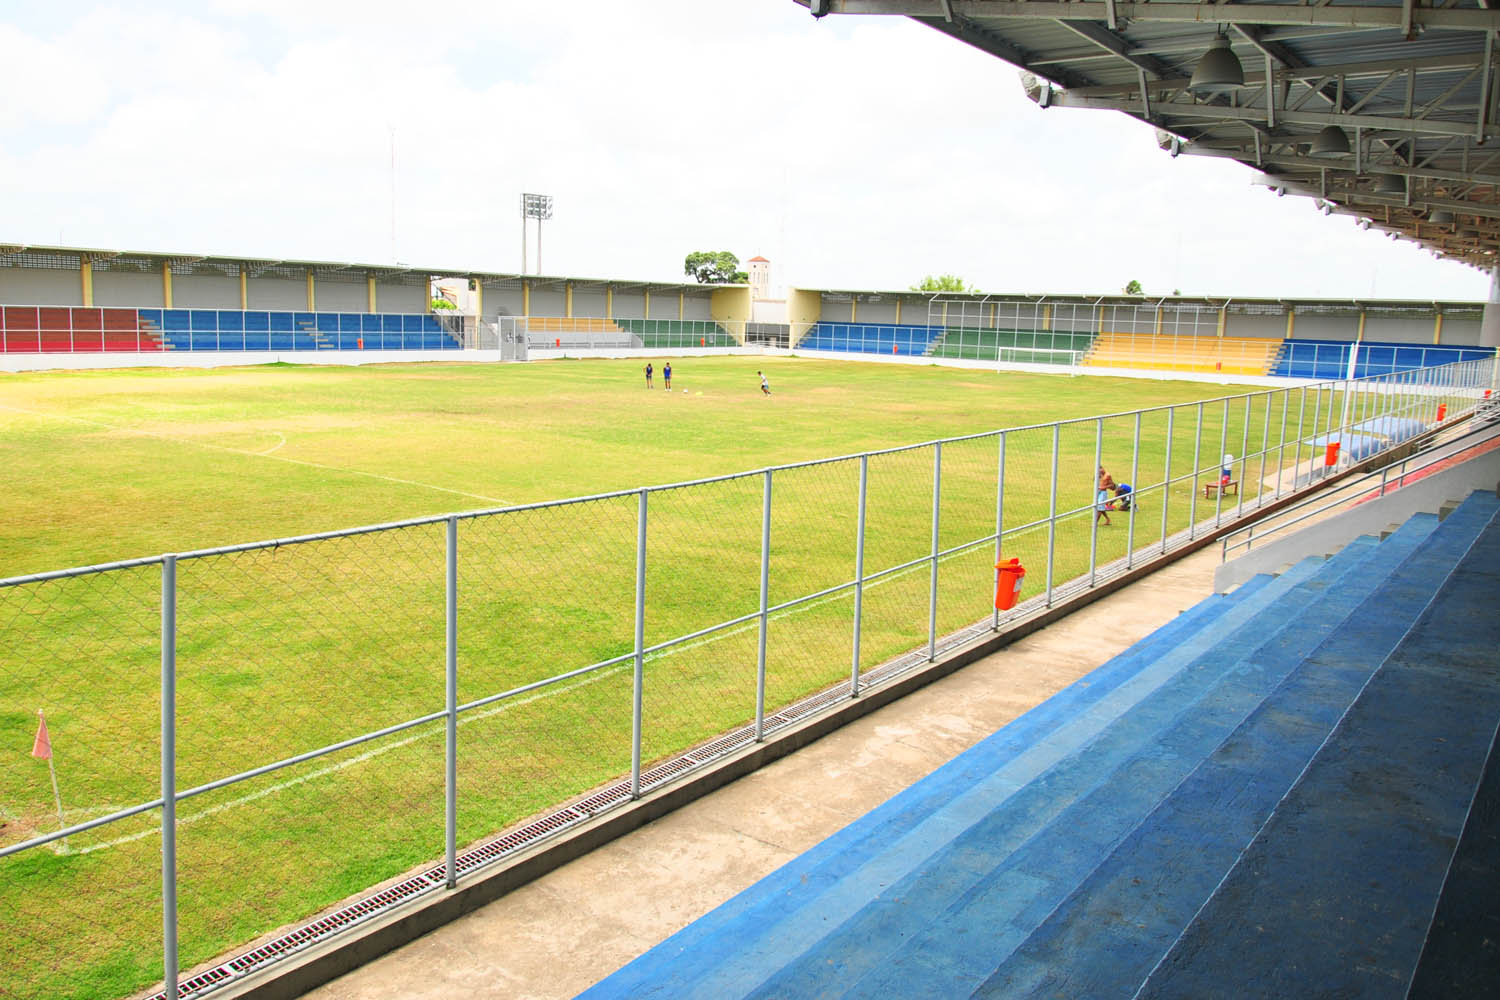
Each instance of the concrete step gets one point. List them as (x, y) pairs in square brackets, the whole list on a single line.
[(949, 925), (1106, 936), (1335, 894)]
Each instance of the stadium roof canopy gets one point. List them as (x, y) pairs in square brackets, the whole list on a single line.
[(1380, 109), (152, 261)]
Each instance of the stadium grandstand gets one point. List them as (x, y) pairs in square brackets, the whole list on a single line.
[(71, 301)]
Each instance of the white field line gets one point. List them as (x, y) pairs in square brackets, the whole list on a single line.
[(368, 755), (278, 445), (253, 454)]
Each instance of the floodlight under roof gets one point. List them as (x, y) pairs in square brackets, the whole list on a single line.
[(1219, 71), (1390, 184), (1441, 217), (1331, 141)]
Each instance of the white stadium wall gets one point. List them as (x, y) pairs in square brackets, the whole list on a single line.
[(45, 286), (345, 296), (276, 293), (589, 303), (198, 291), (121, 288)]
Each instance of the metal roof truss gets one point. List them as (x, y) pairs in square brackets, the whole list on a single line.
[(1411, 83)]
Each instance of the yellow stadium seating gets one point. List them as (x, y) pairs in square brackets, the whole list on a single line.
[(1172, 352)]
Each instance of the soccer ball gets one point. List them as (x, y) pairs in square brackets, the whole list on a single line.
[(684, 392)]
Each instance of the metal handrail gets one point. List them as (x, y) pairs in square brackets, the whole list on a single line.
[(1447, 449)]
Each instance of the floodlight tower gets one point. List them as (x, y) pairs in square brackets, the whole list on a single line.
[(538, 207)]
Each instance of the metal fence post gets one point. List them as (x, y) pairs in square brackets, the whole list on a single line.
[(640, 646), (859, 572), (932, 593), (1052, 512), (169, 774), (1135, 472), (450, 673), (1197, 465), (999, 516), (1166, 486), (1297, 451), (1093, 511), (765, 595), (1286, 405), (1265, 444), (1312, 458), (1224, 443)]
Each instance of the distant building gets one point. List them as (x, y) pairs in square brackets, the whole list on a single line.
[(760, 277)]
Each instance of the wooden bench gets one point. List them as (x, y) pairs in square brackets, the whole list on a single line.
[(1224, 489)]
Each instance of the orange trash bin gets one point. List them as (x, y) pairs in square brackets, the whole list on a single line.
[(1442, 411), (1331, 453), (1008, 577)]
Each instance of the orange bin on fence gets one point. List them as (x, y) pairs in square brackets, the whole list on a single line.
[(1331, 453), (1442, 411), (1008, 577)]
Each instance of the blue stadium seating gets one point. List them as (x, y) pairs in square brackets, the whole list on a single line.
[(1262, 799), (870, 338), (260, 330), (1329, 359)]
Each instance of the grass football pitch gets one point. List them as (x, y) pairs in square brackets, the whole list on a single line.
[(286, 649)]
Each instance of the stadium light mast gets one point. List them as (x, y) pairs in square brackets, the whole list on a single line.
[(538, 207)]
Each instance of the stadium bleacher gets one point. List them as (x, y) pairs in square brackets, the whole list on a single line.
[(1270, 796), (1329, 359), (1032, 346), (1174, 352), (869, 338), (61, 329), (662, 333)]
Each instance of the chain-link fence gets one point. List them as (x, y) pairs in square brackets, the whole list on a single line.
[(239, 740)]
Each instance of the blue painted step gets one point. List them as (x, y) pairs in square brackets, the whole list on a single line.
[(947, 925), (683, 960), (1335, 894), (1108, 933), (1462, 955)]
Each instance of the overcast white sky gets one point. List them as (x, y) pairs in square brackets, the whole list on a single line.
[(852, 152)]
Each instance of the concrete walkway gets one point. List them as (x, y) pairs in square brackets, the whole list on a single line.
[(566, 931)]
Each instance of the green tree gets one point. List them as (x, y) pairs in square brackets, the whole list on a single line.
[(442, 303), (1134, 288), (943, 283), (714, 267)]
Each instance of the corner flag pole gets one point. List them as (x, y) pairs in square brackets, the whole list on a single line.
[(42, 748)]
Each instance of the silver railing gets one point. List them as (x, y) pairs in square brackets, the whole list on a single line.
[(1376, 483), (335, 711)]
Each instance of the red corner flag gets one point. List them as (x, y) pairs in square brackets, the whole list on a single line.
[(42, 748)]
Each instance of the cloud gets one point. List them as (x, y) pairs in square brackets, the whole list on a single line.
[(854, 152)]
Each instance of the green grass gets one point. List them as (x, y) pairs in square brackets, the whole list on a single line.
[(285, 649)]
